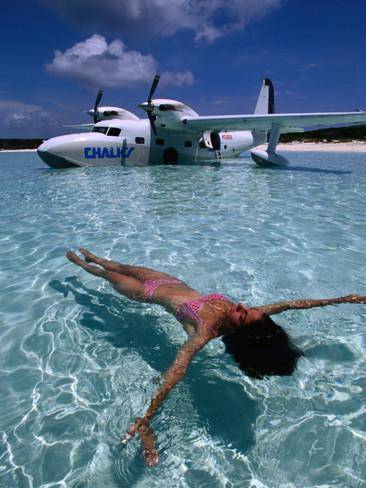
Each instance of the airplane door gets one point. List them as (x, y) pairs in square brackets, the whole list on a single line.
[(215, 141), (207, 139)]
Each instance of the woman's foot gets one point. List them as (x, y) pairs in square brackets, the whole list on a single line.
[(74, 258), (95, 270), (104, 263), (89, 256)]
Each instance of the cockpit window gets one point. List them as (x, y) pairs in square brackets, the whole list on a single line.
[(102, 130), (114, 131)]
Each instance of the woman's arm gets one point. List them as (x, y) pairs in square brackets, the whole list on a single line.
[(279, 307), (170, 378)]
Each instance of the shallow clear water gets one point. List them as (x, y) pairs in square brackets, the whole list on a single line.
[(78, 361)]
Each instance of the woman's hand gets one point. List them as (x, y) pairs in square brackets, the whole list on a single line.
[(171, 377), (135, 427), (149, 451), (279, 307)]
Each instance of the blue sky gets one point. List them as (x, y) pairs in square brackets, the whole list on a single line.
[(212, 55)]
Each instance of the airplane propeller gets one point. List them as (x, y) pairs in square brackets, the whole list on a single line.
[(149, 106), (95, 112)]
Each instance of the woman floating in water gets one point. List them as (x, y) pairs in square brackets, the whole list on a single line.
[(259, 345)]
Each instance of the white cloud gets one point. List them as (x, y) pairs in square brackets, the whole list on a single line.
[(24, 118), (97, 63), (177, 79), (6, 105), (207, 19), (16, 114), (94, 62)]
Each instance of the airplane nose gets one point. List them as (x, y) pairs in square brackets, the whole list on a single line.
[(53, 153)]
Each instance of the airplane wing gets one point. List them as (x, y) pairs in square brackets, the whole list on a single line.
[(264, 122)]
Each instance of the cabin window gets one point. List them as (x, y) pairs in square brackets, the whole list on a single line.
[(140, 140), (159, 142), (114, 131), (102, 130), (188, 143)]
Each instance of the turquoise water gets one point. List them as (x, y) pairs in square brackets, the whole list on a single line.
[(78, 362)]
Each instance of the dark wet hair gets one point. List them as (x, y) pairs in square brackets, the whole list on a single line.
[(262, 349)]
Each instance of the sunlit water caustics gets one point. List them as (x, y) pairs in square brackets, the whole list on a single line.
[(79, 362)]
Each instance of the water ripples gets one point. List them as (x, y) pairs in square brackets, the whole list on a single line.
[(79, 363)]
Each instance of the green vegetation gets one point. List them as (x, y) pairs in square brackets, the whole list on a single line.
[(19, 144), (332, 134)]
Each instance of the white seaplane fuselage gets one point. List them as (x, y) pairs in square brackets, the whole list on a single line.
[(119, 141), (175, 133)]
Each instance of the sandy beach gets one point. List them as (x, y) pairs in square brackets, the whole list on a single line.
[(357, 146)]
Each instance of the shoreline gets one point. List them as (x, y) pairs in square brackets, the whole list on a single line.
[(357, 146)]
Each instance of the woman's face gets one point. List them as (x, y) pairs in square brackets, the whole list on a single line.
[(241, 314)]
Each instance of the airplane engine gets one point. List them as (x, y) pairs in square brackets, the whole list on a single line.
[(233, 142), (107, 113)]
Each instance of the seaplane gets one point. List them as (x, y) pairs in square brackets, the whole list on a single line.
[(174, 133)]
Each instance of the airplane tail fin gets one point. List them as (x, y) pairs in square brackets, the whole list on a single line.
[(266, 101)]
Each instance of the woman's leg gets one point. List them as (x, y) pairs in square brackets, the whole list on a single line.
[(126, 285), (137, 272)]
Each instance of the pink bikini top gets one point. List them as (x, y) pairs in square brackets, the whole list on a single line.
[(190, 309)]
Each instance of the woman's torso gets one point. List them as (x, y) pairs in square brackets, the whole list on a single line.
[(193, 309)]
